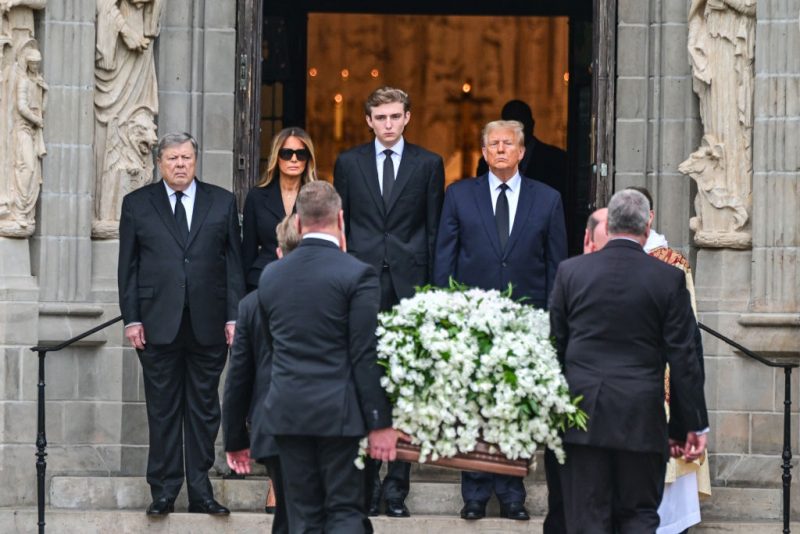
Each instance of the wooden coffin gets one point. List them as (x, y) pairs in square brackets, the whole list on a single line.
[(478, 460)]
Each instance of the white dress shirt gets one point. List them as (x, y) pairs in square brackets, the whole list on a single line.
[(380, 157), (187, 200), (322, 235), (512, 194)]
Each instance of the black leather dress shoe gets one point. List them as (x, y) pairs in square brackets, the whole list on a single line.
[(473, 510), (397, 508), (210, 507), (514, 510), (160, 507), (374, 508)]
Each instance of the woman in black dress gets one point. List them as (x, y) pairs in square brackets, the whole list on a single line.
[(291, 165)]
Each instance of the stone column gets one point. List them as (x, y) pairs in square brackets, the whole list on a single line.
[(657, 120)]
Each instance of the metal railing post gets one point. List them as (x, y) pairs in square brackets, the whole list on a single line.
[(41, 443), (41, 435), (787, 447), (787, 417)]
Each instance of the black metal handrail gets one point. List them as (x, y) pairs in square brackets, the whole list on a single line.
[(41, 436), (787, 412)]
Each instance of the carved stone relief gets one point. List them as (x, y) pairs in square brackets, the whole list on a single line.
[(126, 104), (23, 99), (722, 52)]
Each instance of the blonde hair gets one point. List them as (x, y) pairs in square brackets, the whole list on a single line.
[(288, 238), (514, 126), (272, 171)]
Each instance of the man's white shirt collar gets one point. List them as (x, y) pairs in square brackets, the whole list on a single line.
[(513, 183), (189, 192), (321, 235), (397, 148)]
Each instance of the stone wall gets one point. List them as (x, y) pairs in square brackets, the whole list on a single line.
[(62, 282), (748, 295), (657, 118)]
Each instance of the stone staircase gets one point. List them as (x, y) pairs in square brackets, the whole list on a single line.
[(98, 505)]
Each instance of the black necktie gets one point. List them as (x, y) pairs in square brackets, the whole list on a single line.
[(388, 176), (501, 216), (180, 216)]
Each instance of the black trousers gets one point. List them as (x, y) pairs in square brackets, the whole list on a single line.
[(554, 521), (181, 381), (396, 483), (609, 490), (280, 521), (323, 487), (478, 486)]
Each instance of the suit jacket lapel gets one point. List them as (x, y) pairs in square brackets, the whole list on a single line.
[(369, 171), (524, 205), (160, 201), (408, 163), (274, 201), (483, 201), (202, 204)]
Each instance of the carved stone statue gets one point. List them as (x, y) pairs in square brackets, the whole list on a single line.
[(23, 97), (722, 52), (31, 97), (126, 104)]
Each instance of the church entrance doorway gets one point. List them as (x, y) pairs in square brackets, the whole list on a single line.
[(459, 61)]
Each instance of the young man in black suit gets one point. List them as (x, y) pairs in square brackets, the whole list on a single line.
[(180, 281), (616, 316), (320, 309), (498, 229), (392, 195)]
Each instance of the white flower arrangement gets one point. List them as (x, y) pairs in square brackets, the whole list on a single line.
[(465, 364)]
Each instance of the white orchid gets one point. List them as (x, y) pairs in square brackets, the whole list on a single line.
[(468, 364)]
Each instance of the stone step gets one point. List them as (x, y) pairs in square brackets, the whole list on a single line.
[(24, 521), (426, 498), (133, 493)]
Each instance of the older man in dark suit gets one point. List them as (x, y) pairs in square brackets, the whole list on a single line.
[(180, 281), (618, 316), (499, 229), (392, 198), (320, 313)]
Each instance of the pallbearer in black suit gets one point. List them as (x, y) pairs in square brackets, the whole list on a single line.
[(618, 316), (291, 165), (320, 310), (246, 387), (180, 282), (497, 229), (392, 195)]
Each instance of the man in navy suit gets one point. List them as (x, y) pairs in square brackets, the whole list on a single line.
[(497, 229)]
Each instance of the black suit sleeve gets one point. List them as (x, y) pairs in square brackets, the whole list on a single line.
[(559, 329), (687, 398), (233, 260), (128, 266), (433, 210), (362, 323), (249, 234), (556, 248), (239, 383), (446, 255), (341, 185)]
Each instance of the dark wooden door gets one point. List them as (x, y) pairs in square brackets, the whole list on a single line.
[(603, 95), (247, 102)]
